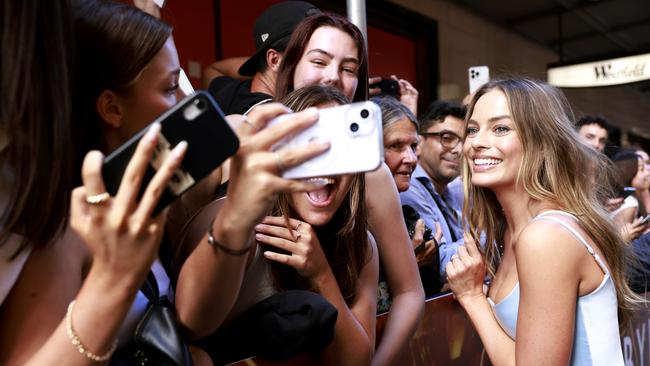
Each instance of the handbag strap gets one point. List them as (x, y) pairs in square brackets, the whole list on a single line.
[(150, 288)]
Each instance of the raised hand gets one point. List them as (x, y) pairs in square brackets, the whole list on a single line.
[(299, 240), (255, 171), (427, 254), (119, 231), (466, 271), (408, 95)]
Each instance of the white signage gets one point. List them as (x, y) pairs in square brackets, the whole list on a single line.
[(616, 71)]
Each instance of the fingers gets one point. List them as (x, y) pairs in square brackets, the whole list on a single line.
[(374, 79), (91, 173), (257, 119), (159, 182), (281, 232), (470, 244), (418, 233), (135, 170), (280, 243), (438, 234), (291, 157)]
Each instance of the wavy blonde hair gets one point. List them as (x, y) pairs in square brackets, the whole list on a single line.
[(556, 168)]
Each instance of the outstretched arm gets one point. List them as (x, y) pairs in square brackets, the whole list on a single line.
[(398, 261)]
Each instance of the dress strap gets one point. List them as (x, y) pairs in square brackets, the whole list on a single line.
[(545, 216)]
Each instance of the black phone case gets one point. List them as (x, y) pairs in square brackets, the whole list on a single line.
[(210, 142), (388, 87), (410, 218)]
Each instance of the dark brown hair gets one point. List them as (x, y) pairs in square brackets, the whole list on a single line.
[(36, 164), (298, 42), (115, 42), (345, 238)]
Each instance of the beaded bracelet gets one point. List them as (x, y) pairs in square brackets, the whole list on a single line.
[(74, 338), (234, 252)]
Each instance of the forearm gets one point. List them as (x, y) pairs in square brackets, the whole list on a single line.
[(100, 308), (209, 281), (228, 67), (498, 345), (351, 344), (403, 319)]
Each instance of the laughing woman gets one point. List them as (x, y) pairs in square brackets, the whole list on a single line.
[(327, 49), (557, 261), (316, 240)]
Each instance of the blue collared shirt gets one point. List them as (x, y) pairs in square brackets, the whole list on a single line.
[(419, 197)]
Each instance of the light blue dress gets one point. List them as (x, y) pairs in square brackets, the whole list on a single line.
[(596, 338)]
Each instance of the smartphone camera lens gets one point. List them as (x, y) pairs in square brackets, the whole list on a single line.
[(200, 105), (364, 114), (354, 127)]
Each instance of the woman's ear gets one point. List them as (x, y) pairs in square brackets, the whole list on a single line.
[(109, 108)]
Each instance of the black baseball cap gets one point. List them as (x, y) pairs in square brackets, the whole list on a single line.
[(274, 24)]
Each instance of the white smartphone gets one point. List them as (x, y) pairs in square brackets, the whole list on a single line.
[(477, 75), (356, 137)]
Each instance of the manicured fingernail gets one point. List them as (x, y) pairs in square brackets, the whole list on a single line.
[(259, 236), (179, 150), (152, 133)]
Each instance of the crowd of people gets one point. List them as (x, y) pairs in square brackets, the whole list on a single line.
[(508, 202)]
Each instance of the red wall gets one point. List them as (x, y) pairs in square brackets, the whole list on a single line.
[(194, 33)]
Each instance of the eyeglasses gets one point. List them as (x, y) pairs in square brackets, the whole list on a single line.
[(447, 139)]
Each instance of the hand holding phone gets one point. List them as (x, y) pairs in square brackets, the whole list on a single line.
[(645, 220), (198, 121), (387, 87), (356, 137)]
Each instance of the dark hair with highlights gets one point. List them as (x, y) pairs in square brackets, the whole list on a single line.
[(345, 238), (298, 42), (35, 155), (115, 42)]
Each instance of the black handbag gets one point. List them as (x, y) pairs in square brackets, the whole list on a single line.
[(157, 339)]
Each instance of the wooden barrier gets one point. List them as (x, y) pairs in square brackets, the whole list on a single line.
[(446, 336)]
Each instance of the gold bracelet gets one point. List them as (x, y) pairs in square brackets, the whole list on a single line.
[(234, 252), (74, 338)]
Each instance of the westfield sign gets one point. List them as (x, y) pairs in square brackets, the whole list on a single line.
[(615, 71)]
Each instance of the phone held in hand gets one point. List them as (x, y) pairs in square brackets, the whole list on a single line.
[(198, 120), (387, 87), (410, 218), (356, 141), (645, 220), (477, 75), (626, 191)]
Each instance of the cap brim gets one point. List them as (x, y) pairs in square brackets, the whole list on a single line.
[(249, 68)]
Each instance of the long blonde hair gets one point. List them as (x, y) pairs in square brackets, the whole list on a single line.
[(556, 168)]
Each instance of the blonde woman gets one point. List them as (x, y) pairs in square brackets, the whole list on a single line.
[(556, 260)]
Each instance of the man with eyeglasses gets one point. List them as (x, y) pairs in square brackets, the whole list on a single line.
[(440, 150)]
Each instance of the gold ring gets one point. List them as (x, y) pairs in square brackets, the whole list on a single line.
[(97, 199), (278, 161)]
